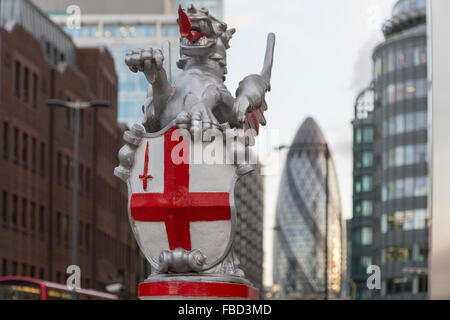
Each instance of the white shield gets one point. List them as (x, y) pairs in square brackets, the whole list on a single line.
[(176, 201)]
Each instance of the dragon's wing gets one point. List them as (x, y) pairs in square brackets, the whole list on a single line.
[(249, 105)]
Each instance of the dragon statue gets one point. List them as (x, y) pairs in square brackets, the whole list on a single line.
[(196, 101), (199, 99)]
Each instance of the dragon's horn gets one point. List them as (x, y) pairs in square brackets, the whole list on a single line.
[(266, 71)]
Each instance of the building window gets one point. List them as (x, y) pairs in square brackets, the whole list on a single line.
[(88, 181), (421, 186), (58, 227), (14, 210), (42, 159), (366, 183), (26, 79), (66, 171), (35, 89), (17, 79), (66, 229), (24, 213), (41, 221), (33, 154), (4, 207), (59, 168), (24, 150), (368, 135), (67, 122), (14, 268), (366, 208), (32, 271), (367, 159), (366, 236), (5, 140), (41, 273), (80, 178), (80, 234), (87, 235), (358, 135), (16, 146), (32, 216)]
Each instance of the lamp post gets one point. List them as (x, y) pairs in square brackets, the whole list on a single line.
[(76, 106), (324, 147)]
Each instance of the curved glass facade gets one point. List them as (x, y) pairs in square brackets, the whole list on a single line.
[(300, 257)]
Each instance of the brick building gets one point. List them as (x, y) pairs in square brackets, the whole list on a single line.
[(38, 62)]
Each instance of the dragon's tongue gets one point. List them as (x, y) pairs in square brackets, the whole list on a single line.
[(185, 27), (184, 22)]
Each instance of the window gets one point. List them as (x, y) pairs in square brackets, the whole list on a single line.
[(391, 61), (390, 222), (384, 223), (358, 135), (32, 271), (26, 85), (67, 122), (24, 150), (368, 135), (421, 186), (421, 153), (16, 146), (409, 155), (400, 124), (66, 171), (24, 213), (421, 120), (87, 235), (32, 216), (4, 207), (66, 229), (409, 187), (366, 207), (410, 122), (80, 234), (35, 89), (410, 90), (420, 219), (366, 183), (399, 156), (399, 188), (14, 210), (41, 221), (17, 79), (391, 93), (41, 273), (400, 91), (88, 181), (58, 227), (59, 167), (409, 220), (5, 140), (367, 159), (42, 159), (80, 178), (366, 236), (33, 154), (421, 88), (398, 220), (14, 268)]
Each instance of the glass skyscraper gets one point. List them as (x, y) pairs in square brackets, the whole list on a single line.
[(308, 252), (389, 225)]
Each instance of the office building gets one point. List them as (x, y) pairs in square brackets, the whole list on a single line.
[(390, 151), (309, 238), (39, 62)]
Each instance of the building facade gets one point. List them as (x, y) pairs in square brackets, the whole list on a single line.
[(39, 62), (309, 259), (248, 244), (390, 195)]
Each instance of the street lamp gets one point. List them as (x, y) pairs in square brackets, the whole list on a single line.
[(76, 106), (324, 147)]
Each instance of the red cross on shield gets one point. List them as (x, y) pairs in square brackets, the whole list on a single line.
[(184, 204)]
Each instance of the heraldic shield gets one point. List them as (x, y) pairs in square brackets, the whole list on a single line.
[(180, 205)]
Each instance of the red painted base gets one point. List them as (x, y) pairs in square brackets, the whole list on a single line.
[(196, 290)]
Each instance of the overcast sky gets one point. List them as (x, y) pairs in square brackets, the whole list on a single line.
[(322, 60)]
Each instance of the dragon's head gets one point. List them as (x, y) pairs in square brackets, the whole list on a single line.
[(202, 35)]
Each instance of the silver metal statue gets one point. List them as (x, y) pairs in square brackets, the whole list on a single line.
[(183, 215)]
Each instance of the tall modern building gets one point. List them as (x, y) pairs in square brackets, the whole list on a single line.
[(122, 26), (309, 239), (390, 151)]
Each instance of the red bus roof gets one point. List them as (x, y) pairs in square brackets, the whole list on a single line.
[(54, 285)]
